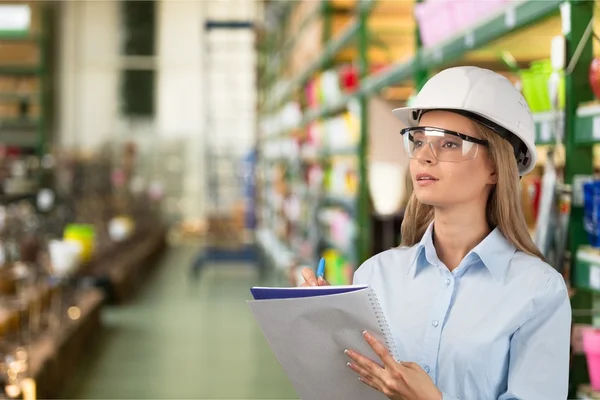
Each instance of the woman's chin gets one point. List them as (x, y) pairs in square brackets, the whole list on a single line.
[(428, 200)]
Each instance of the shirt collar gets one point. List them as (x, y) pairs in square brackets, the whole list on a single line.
[(494, 251)]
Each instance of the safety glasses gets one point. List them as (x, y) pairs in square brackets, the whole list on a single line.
[(445, 145)]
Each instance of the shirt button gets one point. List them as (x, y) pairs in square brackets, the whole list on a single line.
[(435, 323), (427, 368), (447, 282)]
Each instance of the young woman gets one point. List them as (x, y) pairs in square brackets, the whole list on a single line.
[(475, 311)]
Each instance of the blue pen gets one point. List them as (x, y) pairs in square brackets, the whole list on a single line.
[(321, 269)]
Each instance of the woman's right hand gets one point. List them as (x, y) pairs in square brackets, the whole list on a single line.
[(310, 279)]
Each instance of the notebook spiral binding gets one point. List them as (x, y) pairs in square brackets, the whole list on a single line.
[(383, 324)]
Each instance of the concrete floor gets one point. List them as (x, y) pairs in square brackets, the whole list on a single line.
[(183, 339)]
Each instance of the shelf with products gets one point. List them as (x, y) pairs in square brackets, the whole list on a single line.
[(24, 73), (295, 131), (480, 37)]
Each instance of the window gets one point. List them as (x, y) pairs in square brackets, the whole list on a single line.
[(138, 20)]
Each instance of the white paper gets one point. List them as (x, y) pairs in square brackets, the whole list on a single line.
[(596, 128), (594, 277), (309, 336)]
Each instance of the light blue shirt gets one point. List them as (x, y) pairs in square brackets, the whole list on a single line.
[(496, 327)]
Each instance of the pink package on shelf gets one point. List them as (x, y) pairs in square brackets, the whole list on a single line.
[(591, 347), (467, 13), (339, 226), (436, 21), (310, 94), (488, 7)]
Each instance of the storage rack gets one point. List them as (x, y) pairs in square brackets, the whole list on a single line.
[(358, 31), (581, 122), (30, 133)]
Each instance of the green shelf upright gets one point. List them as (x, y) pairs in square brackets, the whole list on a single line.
[(579, 157)]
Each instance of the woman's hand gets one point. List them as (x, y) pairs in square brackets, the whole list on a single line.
[(404, 381), (310, 278)]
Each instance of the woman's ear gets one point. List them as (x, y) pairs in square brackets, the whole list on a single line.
[(493, 177), (493, 174)]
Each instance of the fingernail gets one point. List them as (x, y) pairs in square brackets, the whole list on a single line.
[(348, 365), (346, 352), (313, 283), (366, 335)]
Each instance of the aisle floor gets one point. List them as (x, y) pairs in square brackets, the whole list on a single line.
[(180, 339)]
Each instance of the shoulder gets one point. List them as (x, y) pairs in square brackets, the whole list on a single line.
[(386, 264), (536, 277)]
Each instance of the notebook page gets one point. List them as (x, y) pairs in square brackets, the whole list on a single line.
[(309, 335)]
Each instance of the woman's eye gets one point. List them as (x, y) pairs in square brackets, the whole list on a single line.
[(450, 145), (418, 143)]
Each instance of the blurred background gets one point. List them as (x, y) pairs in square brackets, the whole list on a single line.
[(159, 158)]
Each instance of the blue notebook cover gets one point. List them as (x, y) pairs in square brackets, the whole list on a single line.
[(270, 293)]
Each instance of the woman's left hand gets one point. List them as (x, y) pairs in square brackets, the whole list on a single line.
[(405, 380)]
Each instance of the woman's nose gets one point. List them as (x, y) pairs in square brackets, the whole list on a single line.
[(425, 155)]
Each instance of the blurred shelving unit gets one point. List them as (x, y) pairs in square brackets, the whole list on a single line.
[(392, 58), (322, 104), (25, 81)]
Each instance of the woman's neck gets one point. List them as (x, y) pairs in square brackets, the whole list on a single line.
[(456, 232)]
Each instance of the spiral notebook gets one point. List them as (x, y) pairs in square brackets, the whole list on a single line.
[(308, 329)]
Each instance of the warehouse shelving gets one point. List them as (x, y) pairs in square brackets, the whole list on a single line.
[(577, 126), (28, 132), (463, 44)]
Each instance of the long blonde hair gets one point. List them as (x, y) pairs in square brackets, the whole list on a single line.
[(503, 209)]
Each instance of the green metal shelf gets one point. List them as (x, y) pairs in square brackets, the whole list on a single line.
[(19, 139), (346, 202), (330, 51), (289, 44), (19, 37), (587, 125), (546, 124), (509, 20), (587, 271), (313, 115), (20, 70), (345, 250), (513, 18), (19, 123), (348, 151), (19, 96)]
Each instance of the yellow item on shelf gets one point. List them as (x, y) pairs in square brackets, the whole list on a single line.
[(353, 126), (84, 234), (338, 271)]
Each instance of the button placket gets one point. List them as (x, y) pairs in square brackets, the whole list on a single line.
[(435, 330)]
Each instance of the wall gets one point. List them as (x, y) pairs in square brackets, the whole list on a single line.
[(88, 90), (87, 68)]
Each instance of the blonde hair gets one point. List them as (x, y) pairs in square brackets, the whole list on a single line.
[(504, 208)]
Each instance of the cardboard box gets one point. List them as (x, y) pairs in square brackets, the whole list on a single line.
[(19, 53)]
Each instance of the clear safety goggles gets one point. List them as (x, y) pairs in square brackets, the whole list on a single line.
[(445, 145)]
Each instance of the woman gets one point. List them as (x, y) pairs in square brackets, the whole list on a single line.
[(473, 307)]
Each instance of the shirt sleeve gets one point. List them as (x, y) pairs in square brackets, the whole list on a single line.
[(539, 349)]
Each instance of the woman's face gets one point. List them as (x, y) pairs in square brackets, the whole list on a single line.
[(445, 184)]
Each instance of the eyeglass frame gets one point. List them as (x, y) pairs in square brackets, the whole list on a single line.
[(483, 142)]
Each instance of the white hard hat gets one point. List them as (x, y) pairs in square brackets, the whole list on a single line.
[(485, 96)]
